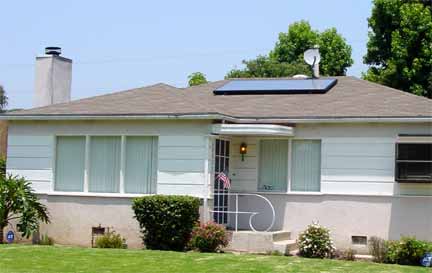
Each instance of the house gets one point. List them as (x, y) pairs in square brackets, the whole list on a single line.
[(354, 155)]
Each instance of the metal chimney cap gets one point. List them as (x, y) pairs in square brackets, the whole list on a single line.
[(53, 50)]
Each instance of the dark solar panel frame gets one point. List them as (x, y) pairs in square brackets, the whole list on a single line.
[(268, 87)]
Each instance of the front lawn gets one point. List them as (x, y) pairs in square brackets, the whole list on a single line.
[(27, 258)]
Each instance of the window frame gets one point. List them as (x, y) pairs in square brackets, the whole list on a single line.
[(87, 166), (397, 161), (289, 167), (259, 164)]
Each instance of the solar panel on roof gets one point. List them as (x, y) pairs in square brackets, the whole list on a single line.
[(253, 87)]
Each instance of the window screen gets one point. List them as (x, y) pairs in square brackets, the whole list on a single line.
[(306, 165), (414, 162), (273, 165), (104, 164), (141, 159), (70, 161)]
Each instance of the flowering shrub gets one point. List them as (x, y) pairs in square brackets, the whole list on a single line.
[(407, 251), (209, 237), (315, 242)]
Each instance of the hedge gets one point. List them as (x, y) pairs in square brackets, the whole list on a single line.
[(166, 221)]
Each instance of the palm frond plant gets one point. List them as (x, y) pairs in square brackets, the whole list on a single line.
[(19, 203)]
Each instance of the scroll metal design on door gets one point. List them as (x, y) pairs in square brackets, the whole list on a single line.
[(221, 198)]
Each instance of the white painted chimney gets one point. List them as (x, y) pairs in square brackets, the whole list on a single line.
[(53, 78)]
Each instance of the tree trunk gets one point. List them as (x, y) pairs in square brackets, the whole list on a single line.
[(1, 234)]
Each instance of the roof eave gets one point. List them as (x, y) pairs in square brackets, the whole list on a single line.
[(210, 116)]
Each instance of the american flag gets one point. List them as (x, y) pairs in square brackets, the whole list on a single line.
[(225, 179)]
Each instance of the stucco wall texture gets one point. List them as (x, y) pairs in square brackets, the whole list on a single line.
[(72, 219), (388, 217)]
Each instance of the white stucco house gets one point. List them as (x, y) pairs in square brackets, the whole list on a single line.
[(354, 155)]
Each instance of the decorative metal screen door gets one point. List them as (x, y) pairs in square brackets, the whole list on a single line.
[(220, 202)]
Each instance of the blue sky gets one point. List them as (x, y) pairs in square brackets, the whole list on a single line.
[(116, 45)]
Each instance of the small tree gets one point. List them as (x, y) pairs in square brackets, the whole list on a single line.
[(197, 78), (19, 202), (286, 59), (399, 50), (3, 99)]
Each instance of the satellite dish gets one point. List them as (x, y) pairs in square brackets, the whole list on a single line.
[(312, 56)]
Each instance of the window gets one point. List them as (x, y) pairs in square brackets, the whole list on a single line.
[(359, 240), (306, 165), (69, 166), (273, 165), (140, 174), (110, 160), (104, 174), (414, 162)]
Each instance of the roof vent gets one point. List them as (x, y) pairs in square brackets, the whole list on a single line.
[(300, 76), (53, 50)]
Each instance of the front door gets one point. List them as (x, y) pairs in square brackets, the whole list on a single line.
[(220, 202)]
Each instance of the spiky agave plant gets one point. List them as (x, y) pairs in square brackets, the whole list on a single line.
[(19, 203)]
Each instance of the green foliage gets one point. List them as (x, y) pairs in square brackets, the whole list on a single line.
[(407, 251), (2, 167), (266, 67), (400, 45), (197, 78), (378, 249), (110, 240), (166, 221), (46, 240), (292, 44), (315, 242), (209, 237), (3, 99), (286, 59), (335, 53), (19, 202), (347, 255)]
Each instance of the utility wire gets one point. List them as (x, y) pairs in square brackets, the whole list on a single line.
[(140, 59)]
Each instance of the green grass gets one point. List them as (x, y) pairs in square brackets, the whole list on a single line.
[(46, 259)]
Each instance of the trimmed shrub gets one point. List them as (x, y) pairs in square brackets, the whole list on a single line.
[(315, 242), (348, 255), (166, 221), (378, 249), (46, 240), (407, 251), (209, 237), (110, 240)]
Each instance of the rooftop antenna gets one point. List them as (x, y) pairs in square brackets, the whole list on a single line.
[(312, 57)]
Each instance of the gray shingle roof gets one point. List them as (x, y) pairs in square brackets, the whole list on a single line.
[(350, 98)]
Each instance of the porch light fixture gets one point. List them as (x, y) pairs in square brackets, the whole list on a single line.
[(243, 150)]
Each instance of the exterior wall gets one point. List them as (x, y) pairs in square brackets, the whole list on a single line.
[(182, 160), (355, 159), (182, 167), (358, 193), (72, 219), (388, 217)]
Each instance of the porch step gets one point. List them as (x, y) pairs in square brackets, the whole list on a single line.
[(261, 242), (281, 235), (285, 246)]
